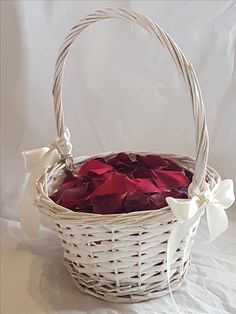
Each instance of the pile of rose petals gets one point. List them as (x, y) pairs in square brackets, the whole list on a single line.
[(122, 184)]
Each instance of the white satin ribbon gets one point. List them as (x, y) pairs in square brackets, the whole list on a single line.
[(36, 162), (188, 212)]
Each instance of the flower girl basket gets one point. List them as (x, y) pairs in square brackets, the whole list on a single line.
[(139, 255)]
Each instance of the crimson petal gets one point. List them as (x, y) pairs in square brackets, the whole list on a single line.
[(117, 183), (152, 161), (167, 180), (134, 202), (146, 185), (94, 167), (107, 204), (122, 163)]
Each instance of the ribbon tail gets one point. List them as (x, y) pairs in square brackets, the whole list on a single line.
[(180, 230), (178, 233), (30, 217), (175, 238), (36, 161), (217, 220)]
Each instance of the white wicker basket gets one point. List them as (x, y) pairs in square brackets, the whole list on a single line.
[(122, 257)]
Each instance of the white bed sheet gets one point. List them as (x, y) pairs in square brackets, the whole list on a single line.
[(116, 70)]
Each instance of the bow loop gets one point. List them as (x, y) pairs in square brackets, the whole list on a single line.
[(183, 209), (33, 157), (223, 194)]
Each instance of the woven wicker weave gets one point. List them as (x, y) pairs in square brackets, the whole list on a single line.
[(122, 257)]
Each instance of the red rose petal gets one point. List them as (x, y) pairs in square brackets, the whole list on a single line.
[(156, 201), (172, 165), (117, 183), (95, 182), (152, 161), (189, 174), (69, 184), (69, 176), (122, 163), (123, 185), (107, 204), (146, 186), (141, 171), (121, 157), (167, 180), (134, 201), (72, 197), (181, 192), (94, 167)]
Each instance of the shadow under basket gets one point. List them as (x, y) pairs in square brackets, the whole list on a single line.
[(123, 257)]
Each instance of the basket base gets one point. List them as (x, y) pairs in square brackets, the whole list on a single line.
[(127, 294)]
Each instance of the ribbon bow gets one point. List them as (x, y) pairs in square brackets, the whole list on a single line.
[(36, 162), (188, 213)]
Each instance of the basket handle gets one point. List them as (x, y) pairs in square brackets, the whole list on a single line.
[(186, 69)]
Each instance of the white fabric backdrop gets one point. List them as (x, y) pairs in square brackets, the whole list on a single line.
[(121, 92)]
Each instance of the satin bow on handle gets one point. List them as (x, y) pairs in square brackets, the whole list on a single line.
[(188, 212), (36, 162)]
